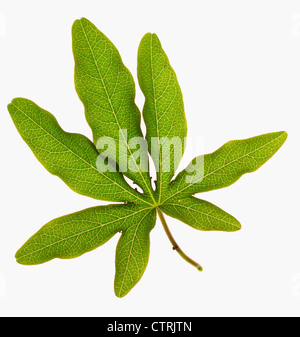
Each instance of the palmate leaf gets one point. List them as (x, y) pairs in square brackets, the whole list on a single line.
[(107, 91)]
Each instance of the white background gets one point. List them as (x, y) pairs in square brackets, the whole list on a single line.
[(238, 64)]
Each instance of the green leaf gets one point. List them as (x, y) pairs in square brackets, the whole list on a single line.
[(226, 165), (163, 110), (72, 157), (133, 253), (75, 234), (201, 215), (107, 90)]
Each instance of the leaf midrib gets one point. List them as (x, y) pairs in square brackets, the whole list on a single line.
[(159, 178)]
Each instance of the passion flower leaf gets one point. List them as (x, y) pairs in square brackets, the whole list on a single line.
[(163, 110), (72, 157), (107, 90), (201, 215)]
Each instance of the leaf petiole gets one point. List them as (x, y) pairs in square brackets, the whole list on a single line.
[(174, 243)]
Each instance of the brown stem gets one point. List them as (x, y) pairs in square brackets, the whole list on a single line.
[(174, 243)]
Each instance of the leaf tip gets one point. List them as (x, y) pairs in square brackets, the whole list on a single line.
[(18, 257), (12, 104), (155, 39), (237, 226), (13, 101), (149, 37), (9, 106), (120, 294), (285, 134), (79, 22), (281, 138), (16, 102)]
